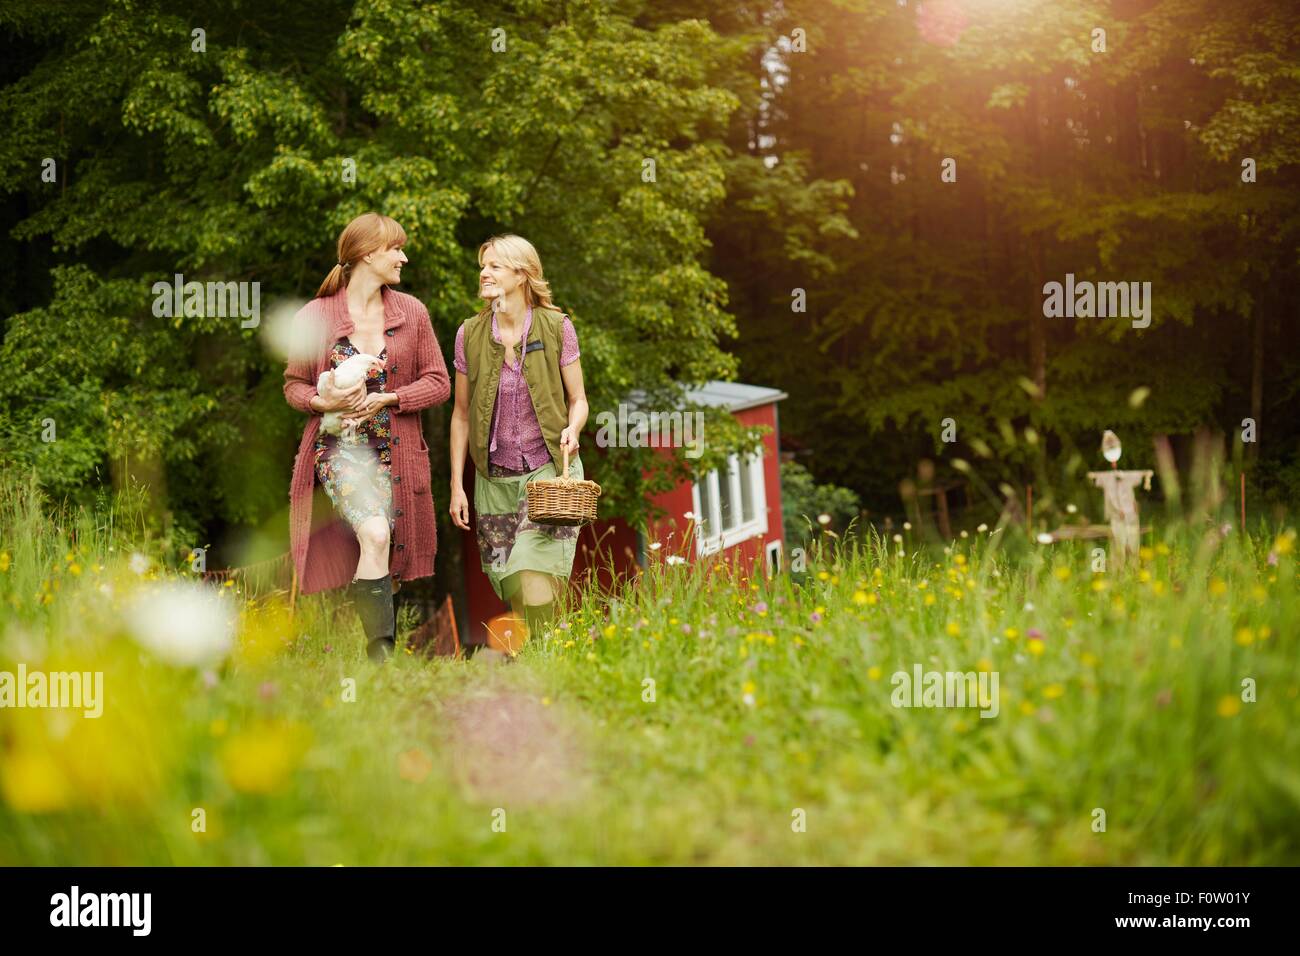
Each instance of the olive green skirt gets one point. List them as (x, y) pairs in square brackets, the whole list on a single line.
[(508, 542)]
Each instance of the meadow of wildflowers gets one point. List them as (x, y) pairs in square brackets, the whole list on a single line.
[(696, 716)]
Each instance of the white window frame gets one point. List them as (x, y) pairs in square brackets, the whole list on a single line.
[(753, 472), (773, 553)]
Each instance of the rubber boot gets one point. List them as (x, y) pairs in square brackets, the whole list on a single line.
[(374, 603)]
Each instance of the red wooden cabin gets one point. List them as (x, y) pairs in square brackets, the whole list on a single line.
[(739, 512)]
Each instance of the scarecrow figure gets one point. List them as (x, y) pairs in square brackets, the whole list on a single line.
[(1121, 503)]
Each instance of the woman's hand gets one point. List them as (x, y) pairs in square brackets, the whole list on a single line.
[(459, 508), (371, 404), (569, 440), (337, 400)]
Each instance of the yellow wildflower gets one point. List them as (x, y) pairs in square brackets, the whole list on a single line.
[(32, 782), (1229, 706), (262, 759), (413, 765)]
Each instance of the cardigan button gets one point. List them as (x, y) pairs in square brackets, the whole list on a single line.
[(397, 479), (401, 547), (399, 512), (396, 440), (390, 333)]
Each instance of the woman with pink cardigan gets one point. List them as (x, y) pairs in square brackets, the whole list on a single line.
[(375, 470)]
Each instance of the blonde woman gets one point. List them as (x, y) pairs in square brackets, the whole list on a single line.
[(376, 470), (519, 404)]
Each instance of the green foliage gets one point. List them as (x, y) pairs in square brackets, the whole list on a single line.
[(924, 297), (229, 164), (803, 501)]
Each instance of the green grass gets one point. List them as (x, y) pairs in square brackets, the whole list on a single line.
[(1133, 706)]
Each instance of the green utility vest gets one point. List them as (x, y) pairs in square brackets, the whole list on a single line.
[(484, 357)]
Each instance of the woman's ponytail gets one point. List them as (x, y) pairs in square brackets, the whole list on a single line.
[(331, 283)]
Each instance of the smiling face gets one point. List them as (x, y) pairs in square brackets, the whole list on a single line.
[(495, 278), (387, 264)]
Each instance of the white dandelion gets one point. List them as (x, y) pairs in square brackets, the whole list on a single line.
[(184, 623)]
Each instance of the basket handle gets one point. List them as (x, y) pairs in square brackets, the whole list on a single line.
[(565, 474)]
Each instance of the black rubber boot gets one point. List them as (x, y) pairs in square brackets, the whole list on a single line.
[(374, 602)]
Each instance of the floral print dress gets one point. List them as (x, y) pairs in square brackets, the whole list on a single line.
[(355, 468)]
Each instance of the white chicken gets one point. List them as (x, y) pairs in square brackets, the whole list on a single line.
[(346, 376)]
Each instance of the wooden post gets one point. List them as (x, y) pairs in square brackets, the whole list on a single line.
[(944, 527)]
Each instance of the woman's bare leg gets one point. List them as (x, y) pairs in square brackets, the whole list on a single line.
[(538, 592), (536, 588), (373, 537)]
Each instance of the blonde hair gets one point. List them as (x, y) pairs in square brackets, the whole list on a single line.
[(369, 232), (518, 253)]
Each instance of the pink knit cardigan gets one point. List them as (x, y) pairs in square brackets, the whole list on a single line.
[(324, 547)]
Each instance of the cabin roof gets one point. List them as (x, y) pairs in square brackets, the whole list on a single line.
[(733, 396)]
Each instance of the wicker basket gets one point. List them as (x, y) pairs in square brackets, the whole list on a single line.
[(563, 500)]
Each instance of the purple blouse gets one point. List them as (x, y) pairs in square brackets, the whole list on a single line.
[(517, 442)]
